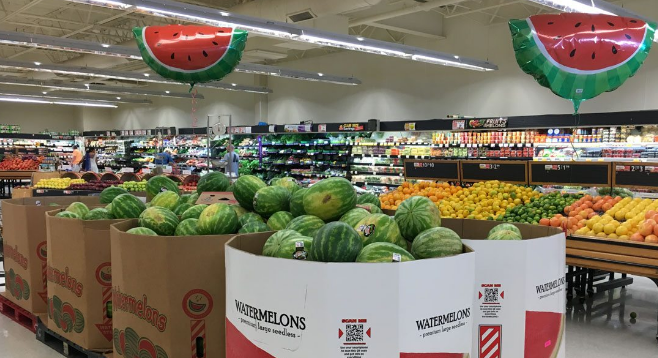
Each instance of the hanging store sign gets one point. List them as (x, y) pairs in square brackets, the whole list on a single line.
[(351, 127), (458, 125), (488, 123), (294, 128)]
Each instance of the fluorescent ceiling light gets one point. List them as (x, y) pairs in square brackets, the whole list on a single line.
[(120, 75), (21, 99), (81, 46), (37, 63), (66, 97), (204, 15), (592, 7)]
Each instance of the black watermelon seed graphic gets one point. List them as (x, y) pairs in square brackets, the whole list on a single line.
[(614, 50), (573, 53), (578, 24)]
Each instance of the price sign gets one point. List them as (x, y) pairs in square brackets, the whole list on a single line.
[(146, 171), (108, 170), (127, 170), (570, 173), (447, 170), (167, 169), (65, 167), (187, 172), (482, 170), (635, 175)]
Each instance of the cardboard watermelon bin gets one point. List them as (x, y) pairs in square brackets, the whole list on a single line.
[(520, 297), (299, 309), (25, 249), (168, 294), (80, 280)]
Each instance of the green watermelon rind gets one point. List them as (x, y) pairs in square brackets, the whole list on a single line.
[(187, 227), (215, 72), (271, 199), (218, 219), (67, 215), (306, 225), (369, 198), (193, 212), (381, 252), (78, 208), (336, 242), (353, 216), (380, 228), (253, 227), (275, 241), (108, 194), (288, 247), (245, 188), (249, 217), (279, 221), (505, 226), (158, 184), (297, 202), (168, 200), (416, 215), (566, 84), (504, 235), (161, 220), (329, 199), (213, 182), (98, 214), (436, 243), (127, 206), (142, 231)]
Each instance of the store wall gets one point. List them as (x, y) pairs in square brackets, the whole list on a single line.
[(395, 89), (34, 118)]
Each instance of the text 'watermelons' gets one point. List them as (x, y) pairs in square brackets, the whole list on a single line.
[(191, 54), (580, 56)]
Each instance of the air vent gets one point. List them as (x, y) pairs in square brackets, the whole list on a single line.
[(302, 16)]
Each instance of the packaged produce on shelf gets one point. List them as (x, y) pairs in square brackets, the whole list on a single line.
[(21, 163), (57, 183), (629, 219)]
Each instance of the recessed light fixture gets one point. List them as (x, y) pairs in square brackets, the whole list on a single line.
[(457, 57), (105, 45), (37, 63), (167, 92), (146, 74), (44, 92), (320, 74), (234, 84), (118, 97), (360, 38)]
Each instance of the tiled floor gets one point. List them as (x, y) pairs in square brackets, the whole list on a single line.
[(596, 329)]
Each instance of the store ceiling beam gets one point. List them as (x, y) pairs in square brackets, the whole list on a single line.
[(291, 32), (127, 76), (77, 97), (428, 6), (94, 88), (95, 48)]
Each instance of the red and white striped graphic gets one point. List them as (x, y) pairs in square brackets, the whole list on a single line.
[(198, 329), (107, 297), (490, 338)]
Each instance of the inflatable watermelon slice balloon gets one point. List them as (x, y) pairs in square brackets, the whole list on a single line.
[(580, 56), (191, 54)]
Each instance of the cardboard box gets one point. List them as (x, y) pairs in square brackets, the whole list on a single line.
[(210, 198), (17, 193), (168, 294), (36, 176), (286, 308), (24, 233), (520, 290), (80, 280)]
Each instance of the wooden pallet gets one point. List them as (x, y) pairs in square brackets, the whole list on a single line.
[(62, 345), (18, 314)]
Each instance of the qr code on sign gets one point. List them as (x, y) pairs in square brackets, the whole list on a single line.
[(354, 333), (490, 295)]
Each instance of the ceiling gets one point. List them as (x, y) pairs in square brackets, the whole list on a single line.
[(388, 20)]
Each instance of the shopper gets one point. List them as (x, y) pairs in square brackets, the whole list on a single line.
[(90, 163), (77, 158), (164, 158), (232, 161)]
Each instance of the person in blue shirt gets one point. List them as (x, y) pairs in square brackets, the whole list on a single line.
[(163, 158), (232, 161)]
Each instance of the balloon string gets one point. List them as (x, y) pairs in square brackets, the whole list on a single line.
[(194, 119)]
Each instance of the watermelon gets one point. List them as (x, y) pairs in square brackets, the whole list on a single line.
[(372, 208), (182, 208), (253, 226), (288, 183), (416, 215), (379, 228), (504, 235), (53, 204), (79, 208), (67, 214), (288, 248), (166, 199), (127, 206), (193, 212), (275, 241), (436, 242), (245, 188), (369, 198), (544, 332), (383, 252), (329, 199), (218, 219), (297, 203), (307, 225), (271, 199), (192, 198), (161, 220), (192, 53), (142, 231), (98, 214), (108, 194), (336, 242), (79, 325), (505, 226), (214, 181), (279, 220), (158, 184), (244, 219), (353, 216), (187, 227), (579, 56), (108, 207), (239, 210)]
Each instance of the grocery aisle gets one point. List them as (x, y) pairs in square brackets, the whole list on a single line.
[(588, 334)]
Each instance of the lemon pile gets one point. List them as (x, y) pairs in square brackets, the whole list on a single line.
[(57, 183), (621, 221), (486, 200)]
